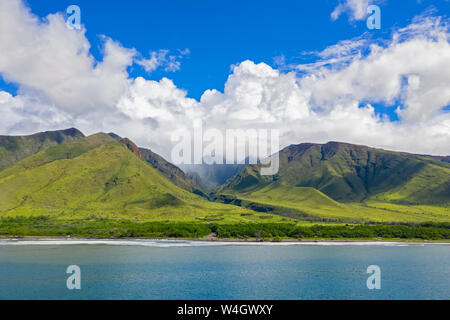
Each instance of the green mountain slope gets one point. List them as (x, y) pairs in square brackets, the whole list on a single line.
[(350, 182), (352, 173), (99, 177), (16, 148), (170, 171)]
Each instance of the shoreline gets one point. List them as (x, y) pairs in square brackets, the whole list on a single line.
[(228, 240)]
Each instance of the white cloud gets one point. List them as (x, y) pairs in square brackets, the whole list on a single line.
[(335, 56), (156, 59), (161, 58), (47, 58), (22, 115), (257, 93), (159, 100), (414, 68), (62, 85), (356, 9)]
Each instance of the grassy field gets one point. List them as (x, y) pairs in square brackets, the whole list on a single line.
[(430, 185), (313, 203)]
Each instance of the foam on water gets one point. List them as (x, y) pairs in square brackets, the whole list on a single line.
[(192, 243)]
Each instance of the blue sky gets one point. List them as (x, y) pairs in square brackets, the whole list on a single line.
[(310, 68), (222, 33)]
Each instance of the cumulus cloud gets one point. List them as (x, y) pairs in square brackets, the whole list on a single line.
[(25, 114), (62, 85), (48, 59), (259, 94), (160, 101), (413, 69), (333, 99)]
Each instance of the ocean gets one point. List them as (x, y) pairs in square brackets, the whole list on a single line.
[(163, 269)]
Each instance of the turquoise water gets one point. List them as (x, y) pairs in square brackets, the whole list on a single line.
[(195, 270)]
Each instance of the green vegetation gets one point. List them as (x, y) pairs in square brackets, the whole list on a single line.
[(312, 205), (102, 228), (171, 172), (97, 176), (16, 148), (351, 173), (346, 183), (434, 232), (106, 228), (105, 186)]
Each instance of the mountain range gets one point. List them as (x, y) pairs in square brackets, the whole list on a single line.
[(347, 181), (99, 177), (67, 175)]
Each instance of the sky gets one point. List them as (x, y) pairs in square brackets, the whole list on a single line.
[(312, 69)]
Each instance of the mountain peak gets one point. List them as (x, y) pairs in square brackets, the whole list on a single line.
[(353, 173), (114, 136), (73, 132), (16, 148)]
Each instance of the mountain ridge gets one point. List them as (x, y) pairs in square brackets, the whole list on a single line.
[(99, 177), (168, 169), (366, 184), (16, 148), (333, 182)]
